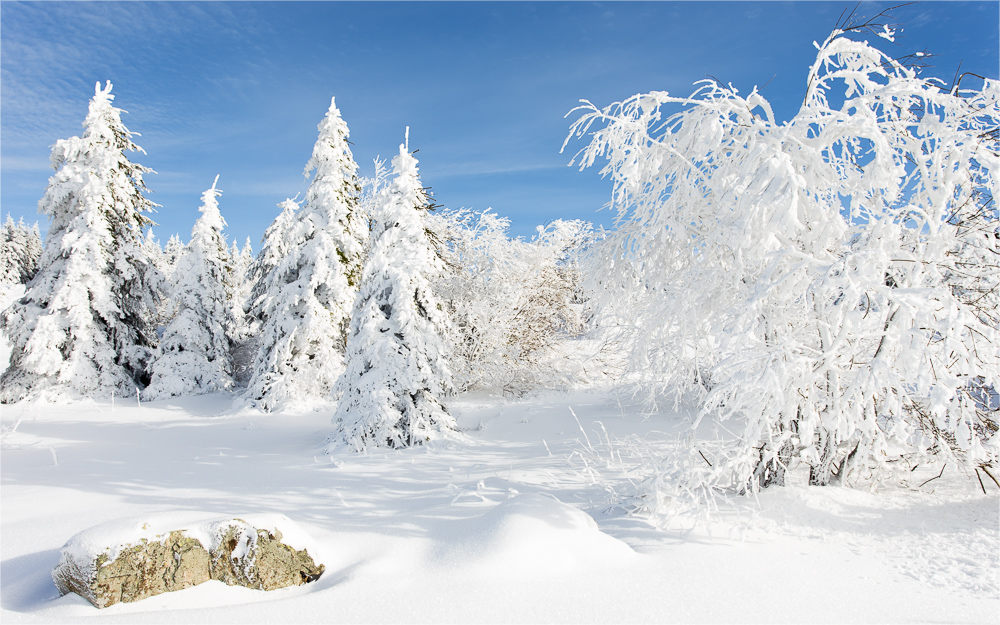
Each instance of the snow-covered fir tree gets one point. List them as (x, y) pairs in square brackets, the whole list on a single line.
[(158, 258), (20, 249), (391, 391), (166, 261), (304, 302), (241, 261), (194, 355), (244, 346), (87, 322), (172, 252), (154, 251), (274, 247)]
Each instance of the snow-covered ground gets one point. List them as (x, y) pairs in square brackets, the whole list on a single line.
[(510, 524)]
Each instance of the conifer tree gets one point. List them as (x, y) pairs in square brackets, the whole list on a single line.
[(20, 249), (32, 252), (154, 251), (172, 252), (304, 302), (390, 392), (274, 247), (241, 261), (87, 322), (195, 353)]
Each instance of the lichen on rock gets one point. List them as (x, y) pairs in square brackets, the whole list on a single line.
[(256, 558), (139, 564)]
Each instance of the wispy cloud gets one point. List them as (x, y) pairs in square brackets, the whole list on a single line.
[(489, 169), (53, 54), (20, 163)]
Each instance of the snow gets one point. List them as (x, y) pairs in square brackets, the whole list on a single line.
[(511, 523)]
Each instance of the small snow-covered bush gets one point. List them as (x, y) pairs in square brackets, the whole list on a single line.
[(511, 301)]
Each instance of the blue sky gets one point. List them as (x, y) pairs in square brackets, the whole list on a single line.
[(238, 88)]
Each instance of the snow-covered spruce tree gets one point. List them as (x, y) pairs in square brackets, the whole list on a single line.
[(157, 256), (172, 253), (304, 302), (194, 355), (390, 392), (11, 253), (241, 261), (154, 251), (244, 347), (20, 249), (835, 268), (275, 246), (86, 324), (166, 262)]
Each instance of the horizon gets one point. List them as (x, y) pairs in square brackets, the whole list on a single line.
[(237, 89)]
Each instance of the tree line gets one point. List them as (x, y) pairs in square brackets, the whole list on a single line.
[(825, 289), (358, 292)]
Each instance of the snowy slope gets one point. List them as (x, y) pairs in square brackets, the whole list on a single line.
[(511, 524)]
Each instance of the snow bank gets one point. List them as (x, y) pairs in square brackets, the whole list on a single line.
[(534, 535)]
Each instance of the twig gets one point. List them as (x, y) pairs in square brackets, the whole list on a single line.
[(936, 476), (704, 458), (987, 472), (582, 431), (980, 478)]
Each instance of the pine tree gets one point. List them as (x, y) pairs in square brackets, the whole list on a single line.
[(154, 251), (20, 249), (32, 252), (87, 322), (172, 252), (274, 247), (241, 260), (244, 325), (195, 353), (304, 302), (10, 253), (390, 392)]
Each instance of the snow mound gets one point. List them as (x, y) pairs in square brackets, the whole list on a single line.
[(535, 535)]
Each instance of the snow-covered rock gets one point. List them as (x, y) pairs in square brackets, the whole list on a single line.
[(134, 559), (243, 555)]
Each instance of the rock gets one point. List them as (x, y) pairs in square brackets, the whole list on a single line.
[(126, 562), (137, 571), (256, 558)]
